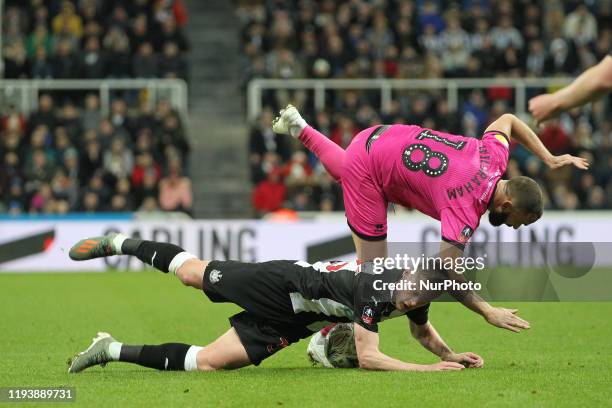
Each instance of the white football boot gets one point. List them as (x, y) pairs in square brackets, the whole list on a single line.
[(96, 354)]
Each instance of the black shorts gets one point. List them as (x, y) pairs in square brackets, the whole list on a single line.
[(268, 322)]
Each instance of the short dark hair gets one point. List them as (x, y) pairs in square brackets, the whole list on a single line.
[(526, 195)]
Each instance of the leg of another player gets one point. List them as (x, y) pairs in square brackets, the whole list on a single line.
[(168, 258), (227, 352), (330, 154), (191, 272)]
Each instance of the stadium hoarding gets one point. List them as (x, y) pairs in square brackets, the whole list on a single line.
[(30, 245)]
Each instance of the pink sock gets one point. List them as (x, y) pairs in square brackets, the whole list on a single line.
[(330, 154)]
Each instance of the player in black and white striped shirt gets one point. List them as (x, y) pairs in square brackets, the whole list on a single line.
[(282, 302)]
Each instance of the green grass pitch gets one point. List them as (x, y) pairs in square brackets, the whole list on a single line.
[(564, 360)]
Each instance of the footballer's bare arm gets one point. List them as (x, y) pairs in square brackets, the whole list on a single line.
[(428, 336), (496, 316), (371, 358), (516, 129), (590, 85)]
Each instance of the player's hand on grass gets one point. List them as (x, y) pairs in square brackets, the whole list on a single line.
[(506, 319), (468, 360), (568, 160), (444, 366)]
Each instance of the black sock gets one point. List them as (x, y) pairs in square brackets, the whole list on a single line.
[(168, 356), (157, 254)]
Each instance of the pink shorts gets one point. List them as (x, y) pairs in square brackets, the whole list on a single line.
[(364, 202)]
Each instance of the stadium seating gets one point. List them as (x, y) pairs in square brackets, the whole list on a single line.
[(423, 39), (94, 39), (69, 157)]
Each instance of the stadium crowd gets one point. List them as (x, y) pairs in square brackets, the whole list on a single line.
[(94, 39), (70, 159), (423, 39)]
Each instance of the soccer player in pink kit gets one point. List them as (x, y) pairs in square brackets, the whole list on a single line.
[(454, 179)]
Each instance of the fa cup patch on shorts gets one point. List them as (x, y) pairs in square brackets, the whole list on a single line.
[(466, 233), (215, 276), (368, 315), (283, 342)]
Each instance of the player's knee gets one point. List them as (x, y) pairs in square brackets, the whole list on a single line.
[(183, 275), (207, 362), (186, 273)]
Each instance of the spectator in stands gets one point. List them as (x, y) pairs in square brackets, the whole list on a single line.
[(122, 200), (536, 58), (91, 115), (580, 25), (561, 58), (145, 63), (70, 160), (343, 134), (16, 197), (139, 32), (59, 159), (13, 121), (117, 44), (145, 119), (118, 161), (149, 204), (430, 16), (327, 193), (172, 64), (171, 33), (78, 43), (39, 169), (119, 18), (39, 37), (16, 64), (67, 22), (119, 203), (119, 116), (92, 62), (42, 200), (12, 142), (90, 161), (172, 135), (91, 203), (64, 64), (297, 172), (61, 141), (270, 193), (144, 165), (148, 189), (11, 171), (506, 35), (41, 67), (175, 190), (69, 119), (107, 132)]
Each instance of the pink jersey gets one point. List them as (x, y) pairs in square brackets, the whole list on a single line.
[(448, 177)]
